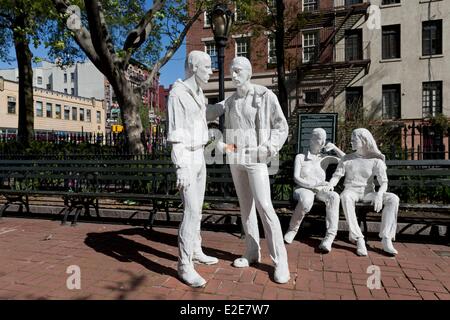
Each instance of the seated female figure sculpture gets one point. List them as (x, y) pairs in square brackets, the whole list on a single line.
[(360, 168), (309, 174)]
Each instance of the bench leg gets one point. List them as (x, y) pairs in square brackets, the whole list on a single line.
[(66, 215), (77, 214), (27, 204), (3, 209)]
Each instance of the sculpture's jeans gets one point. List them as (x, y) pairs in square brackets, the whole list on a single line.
[(305, 199), (388, 227), (253, 190), (189, 238)]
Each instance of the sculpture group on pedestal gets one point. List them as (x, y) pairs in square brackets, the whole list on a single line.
[(255, 131)]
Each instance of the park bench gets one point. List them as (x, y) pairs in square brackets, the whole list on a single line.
[(81, 183)]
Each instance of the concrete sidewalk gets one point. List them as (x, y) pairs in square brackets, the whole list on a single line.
[(126, 262)]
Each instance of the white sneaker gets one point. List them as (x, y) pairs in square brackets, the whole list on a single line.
[(361, 247), (244, 262), (289, 236), (388, 246), (326, 243), (281, 274), (204, 259), (189, 276)]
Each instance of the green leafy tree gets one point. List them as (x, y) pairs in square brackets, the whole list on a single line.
[(22, 23), (111, 32)]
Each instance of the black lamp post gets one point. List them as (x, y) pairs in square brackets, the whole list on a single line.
[(221, 21)]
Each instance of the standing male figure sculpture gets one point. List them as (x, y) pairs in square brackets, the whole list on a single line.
[(360, 168), (255, 131), (188, 133), (309, 174)]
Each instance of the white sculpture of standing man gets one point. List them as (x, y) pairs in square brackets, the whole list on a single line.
[(309, 174), (256, 129), (188, 133), (360, 168)]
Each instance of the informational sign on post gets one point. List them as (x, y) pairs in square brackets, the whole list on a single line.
[(308, 121)]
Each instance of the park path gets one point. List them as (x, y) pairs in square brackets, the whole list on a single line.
[(127, 262)]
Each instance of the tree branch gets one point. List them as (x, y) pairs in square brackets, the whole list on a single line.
[(171, 50), (82, 36), (138, 35), (101, 39)]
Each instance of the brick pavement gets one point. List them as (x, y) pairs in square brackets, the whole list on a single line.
[(126, 262)]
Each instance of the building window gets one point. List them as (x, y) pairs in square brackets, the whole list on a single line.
[(385, 2), (310, 46), (72, 77), (74, 114), (310, 5), (352, 2), (242, 48), (313, 96), (65, 90), (353, 45), (72, 91), (65, 77), (354, 103), (431, 98), (49, 110), (391, 42), (207, 22), (431, 37), (66, 113), (11, 105), (88, 115), (271, 56), (210, 48), (39, 80), (99, 117), (81, 114), (39, 111), (391, 101), (58, 111)]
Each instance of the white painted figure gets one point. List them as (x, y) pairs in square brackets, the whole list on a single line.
[(255, 131), (360, 169), (188, 133), (309, 174)]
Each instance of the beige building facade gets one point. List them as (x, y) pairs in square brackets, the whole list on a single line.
[(53, 111)]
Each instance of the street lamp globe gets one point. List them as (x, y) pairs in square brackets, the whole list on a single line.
[(221, 21)]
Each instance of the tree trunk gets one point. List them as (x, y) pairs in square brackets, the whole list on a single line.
[(129, 111), (24, 56), (279, 49)]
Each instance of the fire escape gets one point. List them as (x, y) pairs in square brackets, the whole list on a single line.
[(335, 56)]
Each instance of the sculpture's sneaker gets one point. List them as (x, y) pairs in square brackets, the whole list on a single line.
[(388, 246), (204, 259), (190, 276), (281, 274), (289, 236), (361, 247), (244, 262), (326, 243)]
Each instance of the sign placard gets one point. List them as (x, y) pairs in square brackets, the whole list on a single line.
[(308, 121)]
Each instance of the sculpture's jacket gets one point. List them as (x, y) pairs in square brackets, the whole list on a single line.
[(271, 125)]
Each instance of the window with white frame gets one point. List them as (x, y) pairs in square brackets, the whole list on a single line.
[(271, 57), (210, 48), (206, 20), (310, 46), (243, 47), (310, 5)]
